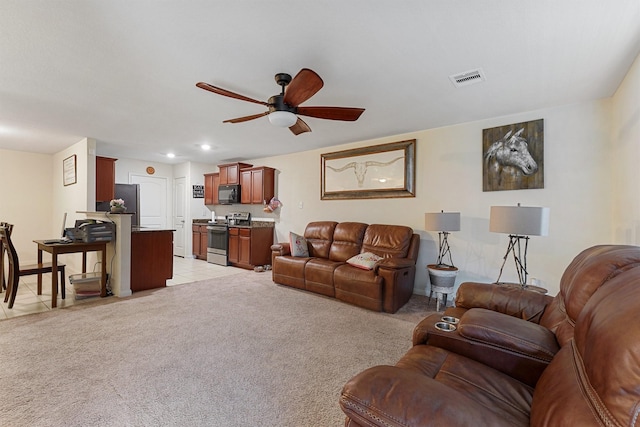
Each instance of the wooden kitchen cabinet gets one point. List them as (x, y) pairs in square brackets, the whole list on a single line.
[(151, 259), (211, 183), (105, 179), (244, 256), (249, 247), (234, 245), (258, 185), (199, 241), (230, 173)]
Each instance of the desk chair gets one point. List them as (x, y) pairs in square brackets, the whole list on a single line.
[(16, 271)]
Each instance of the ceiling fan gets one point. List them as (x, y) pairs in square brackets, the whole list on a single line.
[(284, 106)]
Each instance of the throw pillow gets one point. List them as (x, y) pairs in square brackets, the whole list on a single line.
[(365, 261), (298, 245)]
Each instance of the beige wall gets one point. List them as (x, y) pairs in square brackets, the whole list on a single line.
[(35, 199), (625, 147), (27, 199), (449, 177)]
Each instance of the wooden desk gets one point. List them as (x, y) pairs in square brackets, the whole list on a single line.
[(66, 248)]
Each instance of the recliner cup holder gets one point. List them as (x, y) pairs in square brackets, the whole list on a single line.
[(444, 326), (450, 319)]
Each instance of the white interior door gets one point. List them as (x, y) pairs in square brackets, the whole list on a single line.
[(179, 208), (153, 200)]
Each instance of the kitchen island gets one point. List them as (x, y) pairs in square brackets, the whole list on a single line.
[(151, 258), (138, 258)]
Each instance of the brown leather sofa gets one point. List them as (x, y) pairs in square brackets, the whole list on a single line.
[(519, 358), (388, 286)]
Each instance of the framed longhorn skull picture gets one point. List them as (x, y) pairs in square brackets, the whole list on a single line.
[(377, 171), (513, 156)]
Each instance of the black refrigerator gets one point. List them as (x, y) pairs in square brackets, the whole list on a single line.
[(130, 193)]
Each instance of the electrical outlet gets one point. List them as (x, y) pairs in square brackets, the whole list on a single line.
[(300, 205)]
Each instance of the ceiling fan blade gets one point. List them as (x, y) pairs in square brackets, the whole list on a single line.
[(303, 86), (246, 118), (224, 92), (332, 113), (299, 127)]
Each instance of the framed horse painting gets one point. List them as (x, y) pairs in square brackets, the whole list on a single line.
[(513, 156)]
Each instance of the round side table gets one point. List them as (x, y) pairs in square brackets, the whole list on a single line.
[(442, 278), (441, 295)]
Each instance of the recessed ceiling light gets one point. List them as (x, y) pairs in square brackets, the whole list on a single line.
[(170, 155), (205, 147)]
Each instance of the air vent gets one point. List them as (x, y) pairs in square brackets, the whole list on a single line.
[(467, 78)]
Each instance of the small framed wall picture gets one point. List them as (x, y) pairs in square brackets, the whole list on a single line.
[(69, 170)]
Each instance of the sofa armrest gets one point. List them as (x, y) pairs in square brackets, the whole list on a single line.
[(508, 299), (517, 335), (390, 396), (394, 263), (516, 347), (281, 249)]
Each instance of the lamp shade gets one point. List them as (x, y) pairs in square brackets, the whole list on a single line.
[(282, 118), (519, 220), (442, 221)]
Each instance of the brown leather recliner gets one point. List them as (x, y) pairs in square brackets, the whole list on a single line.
[(591, 377), (523, 343), (387, 287)]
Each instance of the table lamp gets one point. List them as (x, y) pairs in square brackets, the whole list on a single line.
[(442, 276), (443, 223), (519, 222)]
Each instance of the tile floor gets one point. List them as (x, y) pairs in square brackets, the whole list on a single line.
[(185, 270)]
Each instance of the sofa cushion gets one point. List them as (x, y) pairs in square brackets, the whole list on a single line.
[(365, 261), (359, 287), (320, 236), (388, 241), (289, 270), (318, 276), (347, 240), (298, 245)]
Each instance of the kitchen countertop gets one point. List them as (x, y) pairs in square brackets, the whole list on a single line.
[(262, 224), (254, 224)]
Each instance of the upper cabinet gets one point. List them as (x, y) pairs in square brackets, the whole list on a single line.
[(211, 183), (230, 173), (258, 185), (105, 179)]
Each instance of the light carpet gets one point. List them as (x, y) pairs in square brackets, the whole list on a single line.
[(234, 351)]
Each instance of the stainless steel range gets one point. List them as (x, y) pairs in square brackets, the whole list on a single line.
[(218, 236), (217, 243)]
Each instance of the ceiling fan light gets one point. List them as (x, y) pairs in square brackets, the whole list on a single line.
[(283, 119)]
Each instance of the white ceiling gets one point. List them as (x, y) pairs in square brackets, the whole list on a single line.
[(124, 71)]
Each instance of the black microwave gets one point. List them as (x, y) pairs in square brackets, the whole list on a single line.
[(228, 194)]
